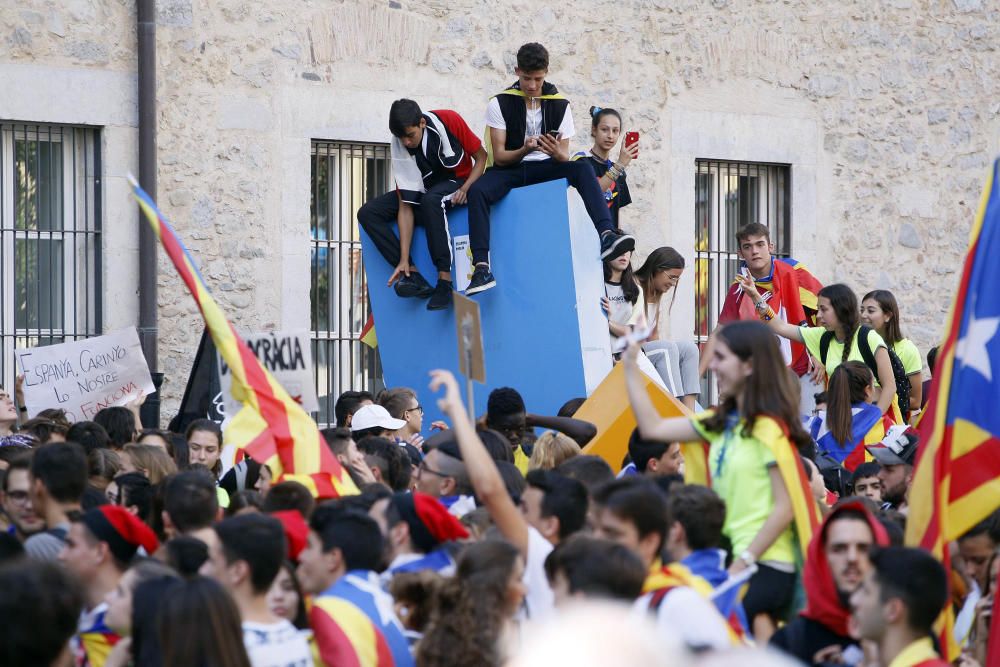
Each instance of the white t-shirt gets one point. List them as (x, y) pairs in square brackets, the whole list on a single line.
[(494, 118), (539, 600), (276, 645), (683, 611)]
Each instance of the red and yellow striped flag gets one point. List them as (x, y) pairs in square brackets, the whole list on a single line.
[(368, 336), (956, 480), (271, 427)]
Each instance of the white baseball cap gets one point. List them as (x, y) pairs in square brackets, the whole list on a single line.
[(375, 415)]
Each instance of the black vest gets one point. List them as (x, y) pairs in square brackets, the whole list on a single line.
[(515, 114)]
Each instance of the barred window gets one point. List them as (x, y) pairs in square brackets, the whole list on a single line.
[(50, 237), (729, 195), (344, 176)]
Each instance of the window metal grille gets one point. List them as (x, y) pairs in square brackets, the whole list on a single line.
[(344, 176), (729, 195), (50, 237)]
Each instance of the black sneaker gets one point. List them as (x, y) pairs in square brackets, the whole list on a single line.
[(615, 243), (482, 280), (413, 286), (441, 298)]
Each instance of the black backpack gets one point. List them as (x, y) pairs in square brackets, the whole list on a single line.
[(898, 372)]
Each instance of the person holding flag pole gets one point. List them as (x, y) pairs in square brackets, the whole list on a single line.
[(956, 479), (753, 461), (271, 426)]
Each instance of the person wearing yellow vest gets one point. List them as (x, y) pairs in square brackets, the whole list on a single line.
[(753, 462), (897, 604)]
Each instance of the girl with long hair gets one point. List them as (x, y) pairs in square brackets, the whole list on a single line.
[(285, 598), (753, 437), (132, 607), (675, 361), (150, 460), (839, 314), (199, 624), (880, 311), (204, 441), (622, 301), (606, 129), (474, 610), (850, 420)]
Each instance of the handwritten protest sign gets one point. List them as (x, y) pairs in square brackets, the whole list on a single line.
[(85, 376), (288, 356)]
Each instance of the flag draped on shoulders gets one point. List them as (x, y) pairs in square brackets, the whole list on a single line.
[(956, 480), (775, 437), (868, 426), (662, 579), (355, 625), (271, 426), (807, 515), (792, 292)]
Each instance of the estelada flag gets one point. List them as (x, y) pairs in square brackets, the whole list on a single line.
[(271, 426), (956, 481)]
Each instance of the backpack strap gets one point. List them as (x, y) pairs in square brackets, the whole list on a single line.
[(866, 351), (824, 345)]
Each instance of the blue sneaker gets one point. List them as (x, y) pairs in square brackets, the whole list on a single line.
[(482, 280)]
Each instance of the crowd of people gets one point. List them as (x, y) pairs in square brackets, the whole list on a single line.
[(500, 541)]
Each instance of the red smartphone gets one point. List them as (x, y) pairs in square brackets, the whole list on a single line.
[(631, 138)]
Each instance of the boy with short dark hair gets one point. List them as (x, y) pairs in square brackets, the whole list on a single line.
[(633, 512), (245, 560), (432, 162), (897, 604), (58, 480), (337, 566), (588, 567), (529, 126)]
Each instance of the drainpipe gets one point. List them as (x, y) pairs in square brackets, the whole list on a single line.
[(148, 329)]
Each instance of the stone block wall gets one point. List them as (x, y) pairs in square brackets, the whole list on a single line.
[(900, 100)]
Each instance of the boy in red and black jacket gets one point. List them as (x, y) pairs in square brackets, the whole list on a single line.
[(435, 159)]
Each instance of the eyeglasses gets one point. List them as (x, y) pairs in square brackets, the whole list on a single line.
[(419, 409)]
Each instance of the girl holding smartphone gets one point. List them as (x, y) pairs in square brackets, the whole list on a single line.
[(606, 129)]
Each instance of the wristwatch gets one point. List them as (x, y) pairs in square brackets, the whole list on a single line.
[(748, 558)]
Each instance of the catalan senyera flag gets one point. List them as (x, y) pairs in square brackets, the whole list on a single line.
[(697, 470), (956, 480), (368, 336), (271, 426)]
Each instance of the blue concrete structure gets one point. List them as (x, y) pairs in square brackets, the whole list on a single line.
[(543, 329)]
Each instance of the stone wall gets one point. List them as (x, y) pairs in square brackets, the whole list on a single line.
[(890, 111)]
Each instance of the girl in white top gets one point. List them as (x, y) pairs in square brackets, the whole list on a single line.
[(675, 361), (622, 300)]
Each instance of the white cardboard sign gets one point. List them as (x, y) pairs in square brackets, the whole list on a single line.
[(287, 355), (83, 377)]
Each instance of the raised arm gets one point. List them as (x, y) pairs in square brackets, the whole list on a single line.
[(505, 158), (777, 325), (886, 380), (651, 425), (483, 473), (581, 431)]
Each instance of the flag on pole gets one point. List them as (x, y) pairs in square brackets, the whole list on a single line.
[(956, 480), (271, 426)]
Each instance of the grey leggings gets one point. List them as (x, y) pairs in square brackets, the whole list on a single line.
[(677, 364)]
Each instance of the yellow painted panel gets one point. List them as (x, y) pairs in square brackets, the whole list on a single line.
[(608, 409)]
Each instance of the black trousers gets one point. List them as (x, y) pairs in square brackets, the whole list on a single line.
[(494, 185), (378, 217)]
